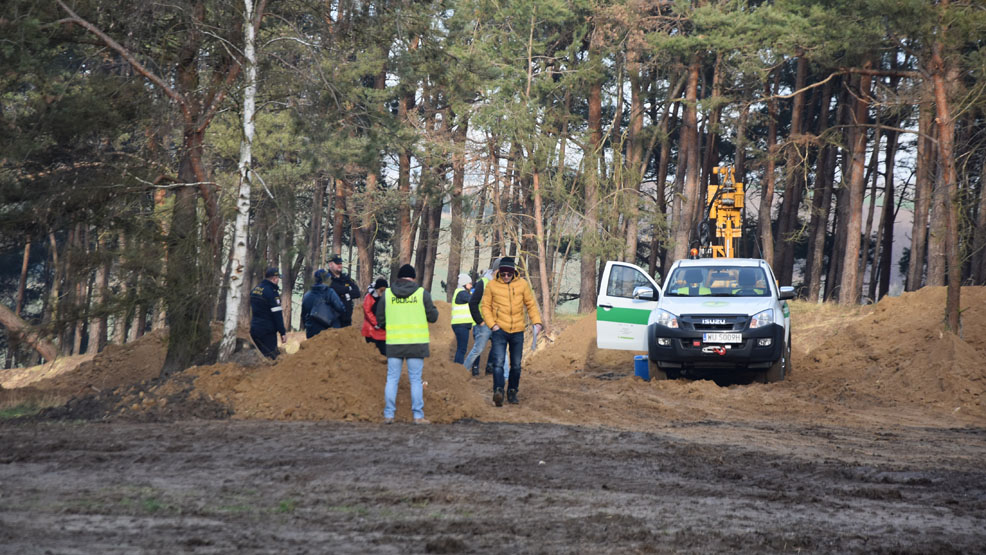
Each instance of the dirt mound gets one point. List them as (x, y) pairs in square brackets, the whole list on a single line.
[(336, 375), (574, 350), (116, 366), (897, 353)]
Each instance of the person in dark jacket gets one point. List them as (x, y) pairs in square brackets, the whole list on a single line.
[(320, 289), (268, 320), (371, 329), (345, 287), (405, 311)]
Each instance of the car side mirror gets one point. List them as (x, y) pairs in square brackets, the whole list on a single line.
[(786, 293), (644, 293)]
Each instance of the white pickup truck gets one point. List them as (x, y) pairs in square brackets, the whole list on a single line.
[(713, 315)]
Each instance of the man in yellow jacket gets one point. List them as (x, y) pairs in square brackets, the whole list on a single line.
[(504, 302)]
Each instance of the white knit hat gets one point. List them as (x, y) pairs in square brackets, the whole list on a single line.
[(464, 279)]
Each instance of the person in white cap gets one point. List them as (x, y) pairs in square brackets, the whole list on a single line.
[(461, 318)]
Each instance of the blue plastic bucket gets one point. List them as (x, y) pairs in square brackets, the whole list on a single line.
[(640, 367)]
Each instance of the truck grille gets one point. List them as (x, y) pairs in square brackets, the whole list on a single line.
[(707, 322)]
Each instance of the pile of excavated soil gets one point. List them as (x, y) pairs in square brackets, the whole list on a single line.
[(898, 353), (80, 375), (889, 363)]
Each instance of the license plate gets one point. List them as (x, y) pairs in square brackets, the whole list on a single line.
[(722, 338)]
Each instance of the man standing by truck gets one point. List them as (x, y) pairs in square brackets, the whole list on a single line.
[(504, 303)]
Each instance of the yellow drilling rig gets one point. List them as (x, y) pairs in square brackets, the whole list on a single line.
[(725, 212)]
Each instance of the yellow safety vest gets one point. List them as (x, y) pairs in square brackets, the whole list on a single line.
[(460, 312), (702, 290), (406, 320)]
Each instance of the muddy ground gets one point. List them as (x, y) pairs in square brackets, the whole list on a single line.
[(875, 443), (292, 487)]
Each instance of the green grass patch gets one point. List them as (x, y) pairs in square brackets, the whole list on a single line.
[(19, 411)]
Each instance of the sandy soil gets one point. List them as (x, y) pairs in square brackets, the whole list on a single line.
[(875, 442)]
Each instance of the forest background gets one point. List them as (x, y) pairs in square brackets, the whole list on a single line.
[(156, 157)]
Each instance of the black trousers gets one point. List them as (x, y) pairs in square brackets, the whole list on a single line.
[(266, 342)]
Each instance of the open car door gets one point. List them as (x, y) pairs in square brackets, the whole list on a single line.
[(627, 295)]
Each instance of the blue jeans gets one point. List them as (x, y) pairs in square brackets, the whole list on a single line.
[(501, 340), (461, 332), (481, 336), (414, 369)]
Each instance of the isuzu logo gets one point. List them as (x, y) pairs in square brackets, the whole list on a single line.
[(713, 321)]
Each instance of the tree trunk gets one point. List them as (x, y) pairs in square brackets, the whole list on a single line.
[(887, 220), (455, 203), (795, 172), (944, 75), (339, 211), (547, 309), (587, 285), (22, 282), (979, 239), (635, 156), (686, 217), (364, 233), (97, 323), (938, 227), (242, 222), (850, 287), (767, 195), (822, 201), (23, 331), (922, 197), (868, 229)]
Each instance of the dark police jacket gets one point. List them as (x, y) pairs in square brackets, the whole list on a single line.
[(347, 290), (265, 303)]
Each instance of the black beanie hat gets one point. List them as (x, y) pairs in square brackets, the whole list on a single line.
[(407, 271), (380, 283), (508, 262), (320, 275)]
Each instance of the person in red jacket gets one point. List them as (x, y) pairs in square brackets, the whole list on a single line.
[(371, 330)]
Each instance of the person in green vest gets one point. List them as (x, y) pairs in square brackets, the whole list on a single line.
[(747, 281), (405, 313), (461, 318), (694, 284)]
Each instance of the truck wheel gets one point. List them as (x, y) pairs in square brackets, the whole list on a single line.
[(778, 371), (656, 373)]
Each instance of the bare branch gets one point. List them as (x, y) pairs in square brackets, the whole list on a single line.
[(147, 73)]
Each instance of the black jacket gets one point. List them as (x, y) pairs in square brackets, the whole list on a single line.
[(476, 300), (320, 289), (346, 288), (403, 288), (265, 304)]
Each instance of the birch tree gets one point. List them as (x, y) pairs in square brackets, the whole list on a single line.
[(236, 273)]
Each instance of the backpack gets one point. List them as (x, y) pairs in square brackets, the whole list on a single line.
[(321, 312)]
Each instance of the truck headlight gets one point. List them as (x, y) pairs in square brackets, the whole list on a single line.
[(667, 319), (762, 318)]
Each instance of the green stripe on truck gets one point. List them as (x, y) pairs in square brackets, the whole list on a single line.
[(623, 315)]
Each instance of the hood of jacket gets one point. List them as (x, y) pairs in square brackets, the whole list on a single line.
[(403, 288)]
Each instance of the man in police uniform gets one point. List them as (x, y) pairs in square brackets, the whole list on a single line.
[(405, 312), (268, 320), (345, 287)]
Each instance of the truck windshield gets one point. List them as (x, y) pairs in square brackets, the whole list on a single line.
[(718, 281)]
